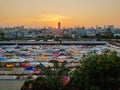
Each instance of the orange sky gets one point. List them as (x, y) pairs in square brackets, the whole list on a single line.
[(40, 13)]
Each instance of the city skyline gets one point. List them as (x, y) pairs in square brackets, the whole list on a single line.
[(47, 13)]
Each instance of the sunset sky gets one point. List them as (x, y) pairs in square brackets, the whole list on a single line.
[(41, 13)]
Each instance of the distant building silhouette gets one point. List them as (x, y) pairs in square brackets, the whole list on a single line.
[(59, 25)]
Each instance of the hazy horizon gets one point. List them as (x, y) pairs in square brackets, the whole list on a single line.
[(47, 13)]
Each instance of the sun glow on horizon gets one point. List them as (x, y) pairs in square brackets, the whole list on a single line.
[(47, 13)]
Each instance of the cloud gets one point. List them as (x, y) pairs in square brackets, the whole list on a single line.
[(51, 17), (41, 18)]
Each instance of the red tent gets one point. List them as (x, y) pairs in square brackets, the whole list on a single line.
[(24, 65)]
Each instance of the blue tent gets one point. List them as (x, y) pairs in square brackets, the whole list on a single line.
[(17, 47), (41, 72), (2, 58), (29, 69), (61, 50)]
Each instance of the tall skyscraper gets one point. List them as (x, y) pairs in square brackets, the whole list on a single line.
[(59, 25)]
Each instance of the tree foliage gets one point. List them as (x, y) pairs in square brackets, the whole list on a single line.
[(98, 72)]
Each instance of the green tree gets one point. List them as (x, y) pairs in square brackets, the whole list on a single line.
[(98, 72)]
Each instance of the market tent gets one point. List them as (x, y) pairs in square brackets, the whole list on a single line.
[(36, 72), (18, 71), (71, 57), (61, 50), (9, 65), (27, 72), (43, 57), (17, 47), (24, 65), (29, 59), (8, 77), (55, 55), (2, 58), (15, 57), (62, 54), (29, 69), (15, 60), (33, 64), (41, 72), (62, 57)]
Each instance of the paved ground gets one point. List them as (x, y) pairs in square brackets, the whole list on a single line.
[(11, 84)]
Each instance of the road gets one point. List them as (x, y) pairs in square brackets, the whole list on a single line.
[(11, 84), (55, 43)]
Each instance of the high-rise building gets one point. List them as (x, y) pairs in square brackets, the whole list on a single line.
[(59, 25)]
